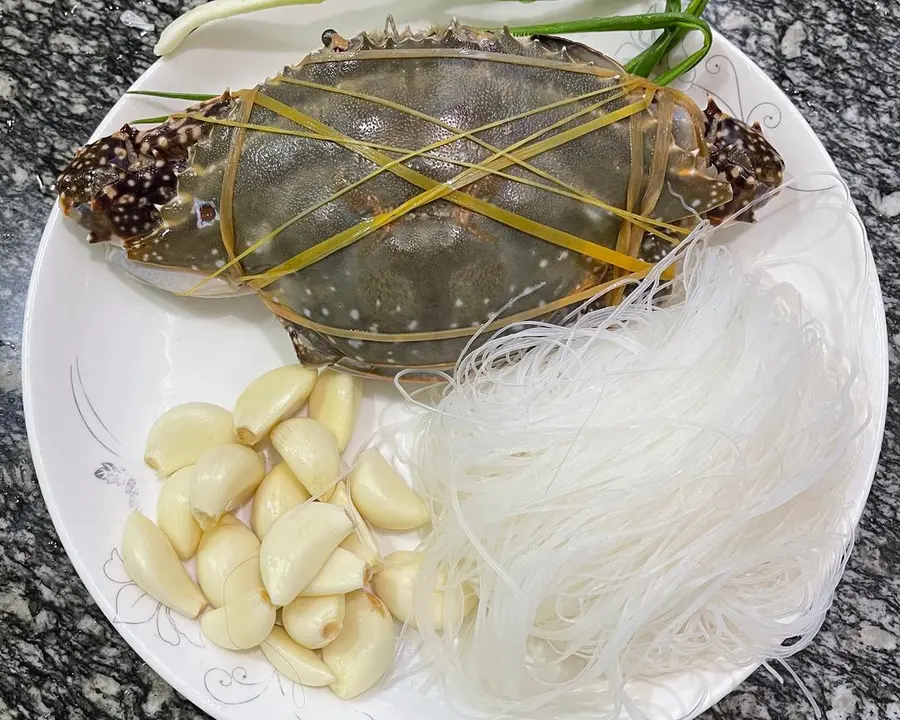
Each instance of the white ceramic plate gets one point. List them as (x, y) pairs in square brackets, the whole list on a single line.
[(104, 356)]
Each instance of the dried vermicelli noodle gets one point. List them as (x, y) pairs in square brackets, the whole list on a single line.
[(648, 489)]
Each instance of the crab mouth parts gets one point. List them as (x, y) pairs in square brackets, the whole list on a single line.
[(86, 215)]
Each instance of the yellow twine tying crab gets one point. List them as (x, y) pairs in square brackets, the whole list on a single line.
[(538, 199)]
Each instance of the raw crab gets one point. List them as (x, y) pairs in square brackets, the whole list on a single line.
[(392, 193)]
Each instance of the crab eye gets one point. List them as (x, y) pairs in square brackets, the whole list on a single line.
[(332, 40), (206, 213)]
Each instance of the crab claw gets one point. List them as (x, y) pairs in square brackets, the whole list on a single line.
[(745, 158), (123, 188), (114, 186)]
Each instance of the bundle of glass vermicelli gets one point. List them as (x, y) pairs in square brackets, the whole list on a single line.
[(651, 488)]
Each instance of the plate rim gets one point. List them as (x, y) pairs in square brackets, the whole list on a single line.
[(736, 676)]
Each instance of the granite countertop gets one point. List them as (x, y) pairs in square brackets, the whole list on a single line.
[(63, 63)]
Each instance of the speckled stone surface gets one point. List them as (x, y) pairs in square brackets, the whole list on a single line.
[(63, 63)]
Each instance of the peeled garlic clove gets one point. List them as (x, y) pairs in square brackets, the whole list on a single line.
[(183, 433), (297, 546), (381, 496), (314, 622), (364, 651), (270, 399), (224, 479), (226, 519), (242, 623), (151, 561), (298, 664), (395, 584), (360, 542), (173, 513), (228, 559), (342, 572), (334, 402), (310, 451), (279, 491), (354, 544)]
